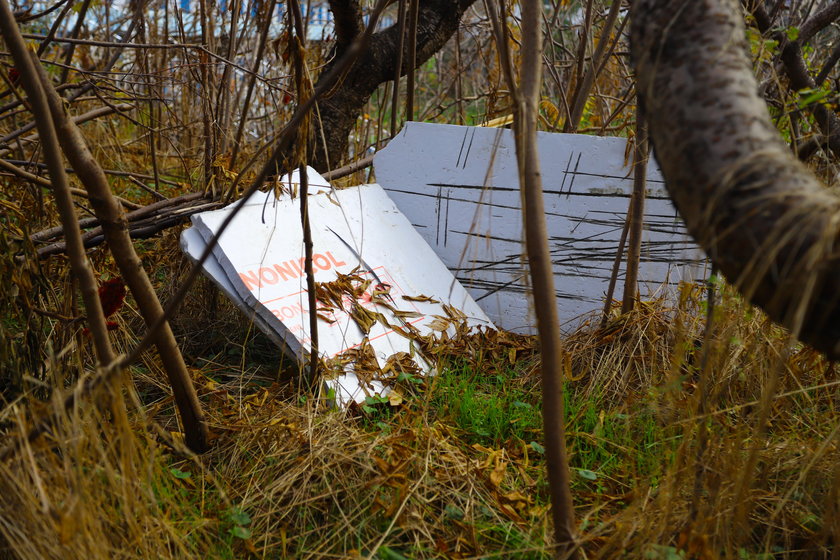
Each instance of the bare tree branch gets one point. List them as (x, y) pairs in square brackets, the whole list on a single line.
[(797, 71), (52, 153), (818, 21), (585, 85), (829, 65), (41, 182), (436, 23), (88, 116), (115, 230), (347, 17), (637, 215)]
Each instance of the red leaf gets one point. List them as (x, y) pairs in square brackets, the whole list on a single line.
[(14, 75), (112, 295)]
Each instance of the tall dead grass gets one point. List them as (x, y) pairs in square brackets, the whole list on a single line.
[(113, 482)]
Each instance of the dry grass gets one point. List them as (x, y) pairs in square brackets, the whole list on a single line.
[(290, 479)]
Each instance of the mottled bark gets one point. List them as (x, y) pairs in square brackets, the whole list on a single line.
[(340, 107), (764, 219), (347, 15)]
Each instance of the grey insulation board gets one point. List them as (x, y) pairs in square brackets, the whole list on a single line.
[(459, 187)]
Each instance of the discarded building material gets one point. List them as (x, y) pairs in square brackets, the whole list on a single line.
[(379, 285), (459, 187)]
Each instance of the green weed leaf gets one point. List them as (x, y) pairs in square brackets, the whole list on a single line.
[(660, 552), (588, 475), (388, 553), (453, 512), (179, 474), (811, 96), (239, 517), (240, 532)]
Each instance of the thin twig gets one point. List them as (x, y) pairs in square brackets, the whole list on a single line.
[(637, 215), (34, 88), (527, 96)]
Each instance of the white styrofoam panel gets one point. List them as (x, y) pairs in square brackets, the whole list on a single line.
[(459, 186), (261, 257)]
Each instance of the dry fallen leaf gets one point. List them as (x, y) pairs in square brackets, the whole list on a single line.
[(420, 298), (394, 398)]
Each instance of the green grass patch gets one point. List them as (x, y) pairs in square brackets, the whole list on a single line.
[(490, 409)]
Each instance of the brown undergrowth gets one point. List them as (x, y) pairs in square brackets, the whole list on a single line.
[(454, 468)]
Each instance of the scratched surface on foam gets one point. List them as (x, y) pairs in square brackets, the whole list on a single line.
[(459, 187)]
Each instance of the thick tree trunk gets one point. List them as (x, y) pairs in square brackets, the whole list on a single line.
[(338, 110), (764, 219)]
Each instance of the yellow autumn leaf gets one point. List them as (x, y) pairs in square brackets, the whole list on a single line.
[(498, 473), (394, 398), (550, 110)]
